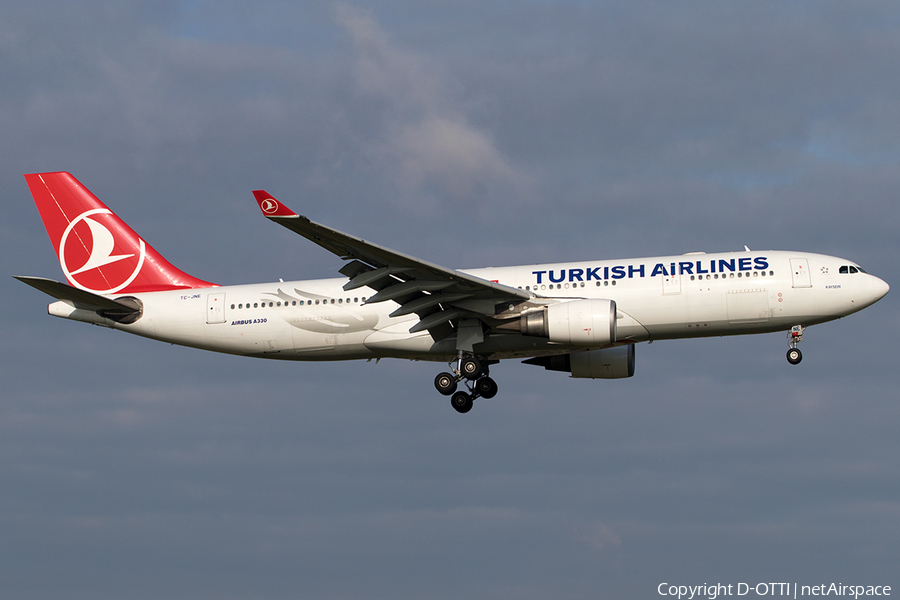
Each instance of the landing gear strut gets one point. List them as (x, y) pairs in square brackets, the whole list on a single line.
[(795, 335), (474, 374)]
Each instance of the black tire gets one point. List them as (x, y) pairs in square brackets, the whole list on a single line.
[(794, 356), (486, 387), (470, 367), (445, 383), (461, 402)]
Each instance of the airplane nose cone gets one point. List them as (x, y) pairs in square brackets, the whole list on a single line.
[(880, 288)]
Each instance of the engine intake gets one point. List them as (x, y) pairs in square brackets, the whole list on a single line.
[(577, 322)]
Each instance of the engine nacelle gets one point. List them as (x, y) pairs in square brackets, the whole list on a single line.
[(607, 363), (579, 322)]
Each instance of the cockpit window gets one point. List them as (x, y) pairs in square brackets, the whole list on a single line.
[(850, 269)]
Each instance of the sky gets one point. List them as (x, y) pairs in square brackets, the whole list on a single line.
[(467, 134)]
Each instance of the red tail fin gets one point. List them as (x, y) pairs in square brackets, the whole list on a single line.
[(97, 251)]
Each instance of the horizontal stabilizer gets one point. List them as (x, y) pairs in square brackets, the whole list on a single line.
[(80, 298)]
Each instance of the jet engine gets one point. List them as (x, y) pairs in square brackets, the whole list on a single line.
[(607, 363), (580, 322)]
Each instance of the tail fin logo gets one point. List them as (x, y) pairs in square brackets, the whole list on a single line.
[(269, 206), (90, 275)]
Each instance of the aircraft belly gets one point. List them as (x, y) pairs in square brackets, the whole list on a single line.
[(308, 340)]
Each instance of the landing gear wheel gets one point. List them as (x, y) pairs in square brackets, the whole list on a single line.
[(794, 356), (486, 387), (470, 367), (462, 402), (445, 383)]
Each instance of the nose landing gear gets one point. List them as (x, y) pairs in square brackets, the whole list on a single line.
[(474, 373), (795, 335)]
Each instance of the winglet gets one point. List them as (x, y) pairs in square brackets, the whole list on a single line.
[(270, 206)]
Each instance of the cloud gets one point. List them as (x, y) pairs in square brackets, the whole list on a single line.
[(447, 151), (600, 537), (425, 139)]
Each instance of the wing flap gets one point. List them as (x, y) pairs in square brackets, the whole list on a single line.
[(435, 319), (423, 304), (372, 278)]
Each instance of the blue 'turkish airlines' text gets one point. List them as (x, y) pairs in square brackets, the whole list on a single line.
[(696, 267)]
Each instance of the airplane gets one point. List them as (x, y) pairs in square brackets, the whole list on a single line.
[(584, 318)]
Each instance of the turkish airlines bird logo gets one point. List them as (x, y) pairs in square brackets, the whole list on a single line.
[(269, 206), (100, 271)]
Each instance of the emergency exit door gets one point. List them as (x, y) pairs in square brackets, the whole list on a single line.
[(215, 308)]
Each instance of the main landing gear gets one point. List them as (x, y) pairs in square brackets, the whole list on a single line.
[(474, 373), (795, 335)]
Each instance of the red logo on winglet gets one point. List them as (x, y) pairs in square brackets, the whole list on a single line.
[(269, 206)]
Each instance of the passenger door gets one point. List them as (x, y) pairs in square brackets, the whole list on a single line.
[(800, 273)]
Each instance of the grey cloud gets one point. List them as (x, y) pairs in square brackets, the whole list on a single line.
[(427, 139)]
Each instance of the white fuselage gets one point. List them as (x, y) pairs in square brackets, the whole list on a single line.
[(685, 296)]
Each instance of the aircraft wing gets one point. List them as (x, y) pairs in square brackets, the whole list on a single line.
[(436, 294)]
